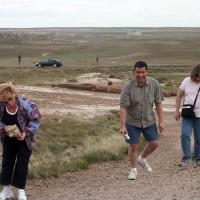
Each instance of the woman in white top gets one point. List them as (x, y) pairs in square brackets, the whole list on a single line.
[(189, 89)]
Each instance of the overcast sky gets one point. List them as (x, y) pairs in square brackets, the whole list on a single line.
[(99, 13)]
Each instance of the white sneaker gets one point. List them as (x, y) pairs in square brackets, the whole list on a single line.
[(143, 162), (21, 195), (133, 174), (6, 193)]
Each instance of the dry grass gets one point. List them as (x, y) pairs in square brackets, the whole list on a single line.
[(79, 47), (70, 145)]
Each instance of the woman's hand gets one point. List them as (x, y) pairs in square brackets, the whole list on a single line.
[(177, 115), (22, 137)]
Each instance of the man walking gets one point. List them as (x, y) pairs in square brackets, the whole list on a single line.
[(137, 116)]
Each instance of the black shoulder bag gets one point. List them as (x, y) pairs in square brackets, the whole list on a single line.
[(188, 109)]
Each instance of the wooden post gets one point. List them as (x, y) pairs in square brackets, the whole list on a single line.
[(97, 60), (19, 60), (109, 84)]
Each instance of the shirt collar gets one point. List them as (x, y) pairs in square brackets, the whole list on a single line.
[(136, 83)]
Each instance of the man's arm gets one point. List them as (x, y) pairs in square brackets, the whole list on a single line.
[(159, 110), (122, 117), (123, 130)]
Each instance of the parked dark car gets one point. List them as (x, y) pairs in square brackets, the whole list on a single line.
[(51, 62)]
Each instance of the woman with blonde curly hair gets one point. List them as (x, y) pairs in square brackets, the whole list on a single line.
[(19, 124)]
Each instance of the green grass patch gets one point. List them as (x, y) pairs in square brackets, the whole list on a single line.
[(70, 145)]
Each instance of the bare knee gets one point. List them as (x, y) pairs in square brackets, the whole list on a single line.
[(133, 147), (154, 144)]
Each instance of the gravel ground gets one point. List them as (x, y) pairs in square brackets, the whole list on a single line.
[(109, 180)]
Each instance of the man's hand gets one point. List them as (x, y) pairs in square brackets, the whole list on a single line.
[(161, 127), (124, 131)]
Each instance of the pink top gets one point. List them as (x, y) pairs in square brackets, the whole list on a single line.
[(191, 88)]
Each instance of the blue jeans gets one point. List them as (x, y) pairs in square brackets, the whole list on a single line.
[(186, 131)]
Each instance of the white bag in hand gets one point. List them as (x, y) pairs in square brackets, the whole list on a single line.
[(13, 131)]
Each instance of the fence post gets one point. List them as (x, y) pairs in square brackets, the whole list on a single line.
[(97, 60), (19, 59)]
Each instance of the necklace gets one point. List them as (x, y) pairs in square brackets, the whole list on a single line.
[(12, 113)]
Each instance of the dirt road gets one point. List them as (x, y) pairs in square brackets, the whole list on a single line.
[(109, 180)]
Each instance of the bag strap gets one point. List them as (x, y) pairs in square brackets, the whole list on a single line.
[(196, 98)]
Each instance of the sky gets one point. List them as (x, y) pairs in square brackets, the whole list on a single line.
[(99, 13)]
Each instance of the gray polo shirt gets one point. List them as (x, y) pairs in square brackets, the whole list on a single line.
[(139, 101)]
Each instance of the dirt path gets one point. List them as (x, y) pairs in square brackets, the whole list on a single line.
[(109, 180)]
